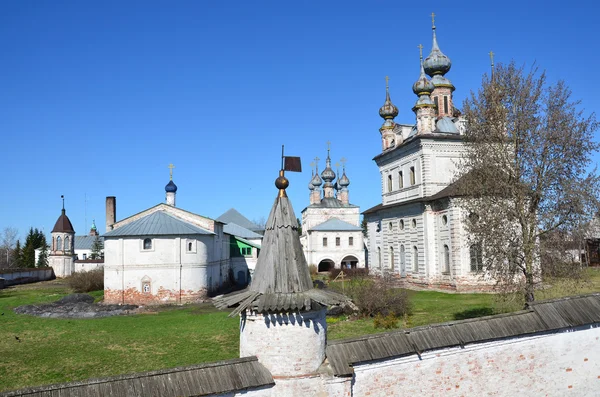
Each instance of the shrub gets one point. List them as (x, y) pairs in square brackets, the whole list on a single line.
[(375, 297), (86, 281), (388, 322), (313, 270)]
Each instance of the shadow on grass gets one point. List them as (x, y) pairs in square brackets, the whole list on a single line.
[(473, 313)]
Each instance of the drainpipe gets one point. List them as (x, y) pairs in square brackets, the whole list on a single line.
[(180, 270), (122, 273)]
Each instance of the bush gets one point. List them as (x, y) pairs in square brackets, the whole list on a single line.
[(373, 297), (388, 322), (86, 281), (313, 270)]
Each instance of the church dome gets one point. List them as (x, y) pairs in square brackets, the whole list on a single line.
[(388, 110), (171, 187), (423, 85), (344, 181), (63, 224), (446, 124), (316, 181), (440, 81), (328, 175), (436, 62)]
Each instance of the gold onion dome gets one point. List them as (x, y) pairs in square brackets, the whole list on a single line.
[(388, 111), (436, 63)]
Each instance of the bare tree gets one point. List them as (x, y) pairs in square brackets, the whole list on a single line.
[(8, 239), (525, 172)]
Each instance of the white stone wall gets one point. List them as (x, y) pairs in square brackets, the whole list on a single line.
[(276, 340), (560, 364), (62, 265), (173, 272), (315, 252)]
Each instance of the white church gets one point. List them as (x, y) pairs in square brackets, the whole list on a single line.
[(163, 254), (417, 233), (331, 233)]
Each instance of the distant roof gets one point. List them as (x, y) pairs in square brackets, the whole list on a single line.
[(331, 202), (335, 224), (251, 243), (239, 231), (233, 216), (196, 380), (63, 224), (542, 316), (158, 223), (85, 242)]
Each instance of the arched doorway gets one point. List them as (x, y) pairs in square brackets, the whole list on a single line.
[(325, 265), (349, 262)]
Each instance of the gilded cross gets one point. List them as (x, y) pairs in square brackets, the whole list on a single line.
[(328, 145), (343, 161), (387, 82), (433, 19), (312, 165), (420, 46), (337, 167), (171, 166)]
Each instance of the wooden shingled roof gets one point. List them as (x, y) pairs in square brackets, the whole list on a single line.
[(545, 316), (196, 380), (281, 279)]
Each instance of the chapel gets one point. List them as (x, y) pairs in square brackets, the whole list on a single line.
[(416, 234), (331, 233), (164, 254)]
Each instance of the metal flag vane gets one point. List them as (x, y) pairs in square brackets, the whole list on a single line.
[(288, 163), (62, 196), (171, 166)]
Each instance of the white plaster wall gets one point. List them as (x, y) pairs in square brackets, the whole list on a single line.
[(563, 364), (61, 264), (315, 252), (275, 339)]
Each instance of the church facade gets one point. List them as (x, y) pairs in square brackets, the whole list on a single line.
[(163, 254), (417, 232), (331, 232)]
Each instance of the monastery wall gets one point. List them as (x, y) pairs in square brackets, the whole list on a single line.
[(562, 364)]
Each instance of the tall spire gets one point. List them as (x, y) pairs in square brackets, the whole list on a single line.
[(328, 175), (436, 63), (424, 107), (388, 111)]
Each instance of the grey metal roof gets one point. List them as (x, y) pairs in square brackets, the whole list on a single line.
[(85, 242), (233, 216), (158, 223), (240, 231), (331, 202), (541, 317), (281, 279), (196, 380), (335, 224)]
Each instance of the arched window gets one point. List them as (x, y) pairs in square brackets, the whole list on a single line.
[(476, 257), (401, 224), (379, 256), (446, 259), (53, 244), (389, 183), (445, 104), (67, 245), (392, 259), (58, 243), (415, 259), (147, 243), (413, 179), (400, 180), (437, 109), (402, 257)]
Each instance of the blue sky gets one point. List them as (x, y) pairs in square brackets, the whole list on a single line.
[(97, 98)]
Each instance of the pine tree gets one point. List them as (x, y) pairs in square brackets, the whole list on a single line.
[(35, 239), (97, 248), (43, 258), (16, 259)]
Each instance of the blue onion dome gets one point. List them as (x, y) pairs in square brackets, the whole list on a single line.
[(328, 175), (388, 110), (440, 81), (171, 187), (316, 180), (344, 181), (423, 85), (436, 62)]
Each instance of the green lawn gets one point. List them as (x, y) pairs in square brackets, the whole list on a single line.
[(62, 350)]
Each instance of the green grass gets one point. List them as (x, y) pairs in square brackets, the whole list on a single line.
[(62, 350)]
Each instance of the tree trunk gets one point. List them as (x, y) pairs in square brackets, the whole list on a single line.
[(529, 291)]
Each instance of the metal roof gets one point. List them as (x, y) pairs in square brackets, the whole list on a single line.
[(158, 223), (197, 380), (331, 202), (540, 317), (233, 216), (63, 224), (335, 224), (250, 243), (240, 231), (86, 242)]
